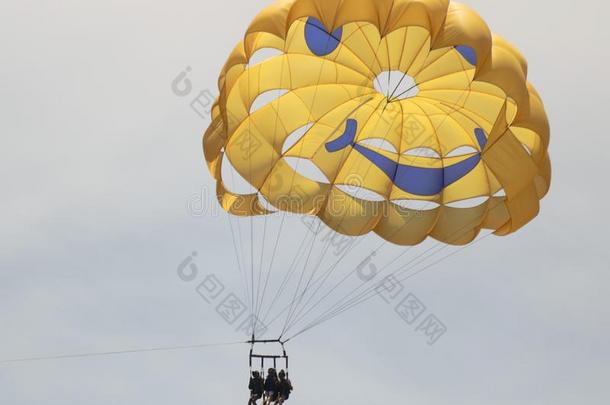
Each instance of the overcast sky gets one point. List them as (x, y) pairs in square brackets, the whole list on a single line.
[(101, 162)]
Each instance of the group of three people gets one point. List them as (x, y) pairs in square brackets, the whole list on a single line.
[(275, 388)]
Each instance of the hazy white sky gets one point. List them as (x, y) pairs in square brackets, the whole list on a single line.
[(100, 162)]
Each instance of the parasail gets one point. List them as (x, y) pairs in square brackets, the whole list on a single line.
[(407, 119)]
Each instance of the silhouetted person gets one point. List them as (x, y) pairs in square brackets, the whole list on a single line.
[(257, 387), (284, 388), (271, 383)]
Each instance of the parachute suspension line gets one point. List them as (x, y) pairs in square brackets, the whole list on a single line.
[(242, 273), (270, 268), (284, 283), (390, 263), (298, 310), (118, 352), (261, 299), (461, 67), (303, 272), (347, 276), (372, 291), (260, 275), (346, 301), (286, 278), (329, 242), (374, 252), (298, 300), (239, 252), (253, 322), (313, 101), (405, 74), (320, 282), (304, 238), (340, 311), (330, 239), (334, 266)]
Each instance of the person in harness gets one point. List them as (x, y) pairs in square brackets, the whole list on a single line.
[(284, 388), (257, 387), (270, 386)]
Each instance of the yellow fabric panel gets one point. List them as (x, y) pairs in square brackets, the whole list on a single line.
[(464, 27), (531, 140), (414, 57), (454, 98), (494, 184), (455, 131), (483, 105), (386, 124), (213, 142), (405, 49), (418, 129), (474, 185), (511, 110), (543, 180), (451, 132), (504, 44), (289, 191), (350, 216), (510, 163), (358, 171), (455, 81), (297, 71), (268, 122), (261, 40), (344, 55), (533, 116), (523, 208), (432, 56), (251, 155), (239, 205), (448, 63), (313, 146), (505, 71), (364, 39), (326, 127), (406, 227), (310, 104), (292, 110), (321, 101), (362, 11), (425, 14), (459, 226), (328, 163), (274, 19), (236, 57), (497, 215)]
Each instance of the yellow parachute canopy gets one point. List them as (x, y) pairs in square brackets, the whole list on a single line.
[(406, 118)]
